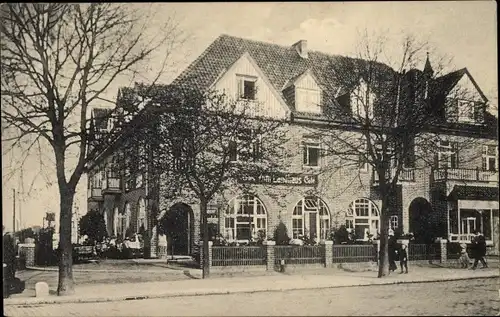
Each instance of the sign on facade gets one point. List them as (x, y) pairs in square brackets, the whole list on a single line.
[(281, 179)]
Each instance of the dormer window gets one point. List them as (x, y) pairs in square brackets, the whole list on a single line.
[(466, 111), (362, 102), (308, 100), (247, 88)]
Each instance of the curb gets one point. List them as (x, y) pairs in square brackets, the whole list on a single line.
[(62, 300), (165, 271)]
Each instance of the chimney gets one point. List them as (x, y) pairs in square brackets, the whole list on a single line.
[(301, 48)]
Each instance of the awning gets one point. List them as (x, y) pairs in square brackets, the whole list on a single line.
[(481, 193), (477, 204)]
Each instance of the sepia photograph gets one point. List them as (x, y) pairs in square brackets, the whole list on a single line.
[(250, 158)]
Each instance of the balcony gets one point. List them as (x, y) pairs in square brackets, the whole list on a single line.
[(112, 185), (94, 194), (405, 175), (463, 174)]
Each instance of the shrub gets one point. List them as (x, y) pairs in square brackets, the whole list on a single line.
[(341, 235), (261, 237), (281, 234)]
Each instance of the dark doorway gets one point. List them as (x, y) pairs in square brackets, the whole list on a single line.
[(178, 224), (420, 212)]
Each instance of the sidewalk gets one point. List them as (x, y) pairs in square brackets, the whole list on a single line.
[(328, 278)]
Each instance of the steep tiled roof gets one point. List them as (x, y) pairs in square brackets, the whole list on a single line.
[(445, 83), (281, 64)]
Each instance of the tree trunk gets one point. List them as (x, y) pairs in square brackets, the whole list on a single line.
[(66, 285), (204, 230), (383, 268)]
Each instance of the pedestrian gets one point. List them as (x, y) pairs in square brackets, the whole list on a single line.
[(464, 259), (479, 244), (403, 258), (392, 248)]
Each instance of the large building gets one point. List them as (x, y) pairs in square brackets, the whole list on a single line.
[(458, 191)]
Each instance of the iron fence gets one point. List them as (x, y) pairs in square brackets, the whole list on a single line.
[(306, 254), (238, 255), (424, 251), (354, 253)]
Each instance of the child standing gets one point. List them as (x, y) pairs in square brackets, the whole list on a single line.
[(464, 257), (403, 258)]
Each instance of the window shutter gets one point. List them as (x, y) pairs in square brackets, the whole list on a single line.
[(479, 109), (454, 156), (452, 110), (240, 88), (304, 151)]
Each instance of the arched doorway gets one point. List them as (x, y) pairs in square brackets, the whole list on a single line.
[(311, 218), (419, 212), (178, 226)]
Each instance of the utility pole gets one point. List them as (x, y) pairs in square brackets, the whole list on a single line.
[(14, 210)]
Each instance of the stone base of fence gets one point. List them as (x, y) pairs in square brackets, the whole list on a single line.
[(444, 250)]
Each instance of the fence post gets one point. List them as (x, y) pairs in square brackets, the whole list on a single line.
[(444, 255), (269, 254), (328, 252), (27, 251), (210, 245)]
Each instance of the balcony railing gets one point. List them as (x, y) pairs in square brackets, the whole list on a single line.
[(405, 175), (464, 174), (112, 185), (94, 193)]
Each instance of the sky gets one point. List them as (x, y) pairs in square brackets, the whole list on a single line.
[(463, 30)]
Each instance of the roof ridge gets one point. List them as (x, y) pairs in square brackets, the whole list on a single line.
[(281, 45)]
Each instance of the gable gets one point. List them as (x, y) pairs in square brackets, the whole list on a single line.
[(269, 102), (467, 89), (307, 81)]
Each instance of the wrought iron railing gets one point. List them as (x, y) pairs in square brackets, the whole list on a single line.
[(238, 255), (465, 174), (306, 254), (354, 253)]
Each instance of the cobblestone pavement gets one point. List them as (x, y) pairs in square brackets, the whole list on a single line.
[(478, 297)]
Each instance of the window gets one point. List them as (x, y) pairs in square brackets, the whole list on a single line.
[(490, 157), (310, 217), (141, 216), (394, 222), (447, 154), (308, 100), (363, 217), (246, 148), (362, 102), (122, 221), (466, 111), (247, 88), (244, 218), (311, 153), (97, 179)]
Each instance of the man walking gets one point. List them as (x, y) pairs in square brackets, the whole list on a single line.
[(479, 250)]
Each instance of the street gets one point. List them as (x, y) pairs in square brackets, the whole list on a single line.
[(478, 297)]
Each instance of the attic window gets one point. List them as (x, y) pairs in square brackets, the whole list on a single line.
[(247, 87), (308, 100)]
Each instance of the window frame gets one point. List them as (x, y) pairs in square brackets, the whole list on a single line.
[(311, 144), (235, 208), (305, 99), (372, 219), (485, 158), (451, 155), (323, 214), (470, 115), (394, 221), (254, 148), (242, 79)]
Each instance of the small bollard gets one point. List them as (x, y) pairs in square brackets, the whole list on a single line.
[(282, 266), (41, 289)]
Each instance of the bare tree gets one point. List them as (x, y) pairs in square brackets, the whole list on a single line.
[(58, 61), (381, 113), (205, 143)]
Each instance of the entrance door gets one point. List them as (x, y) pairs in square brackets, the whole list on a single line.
[(178, 229)]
